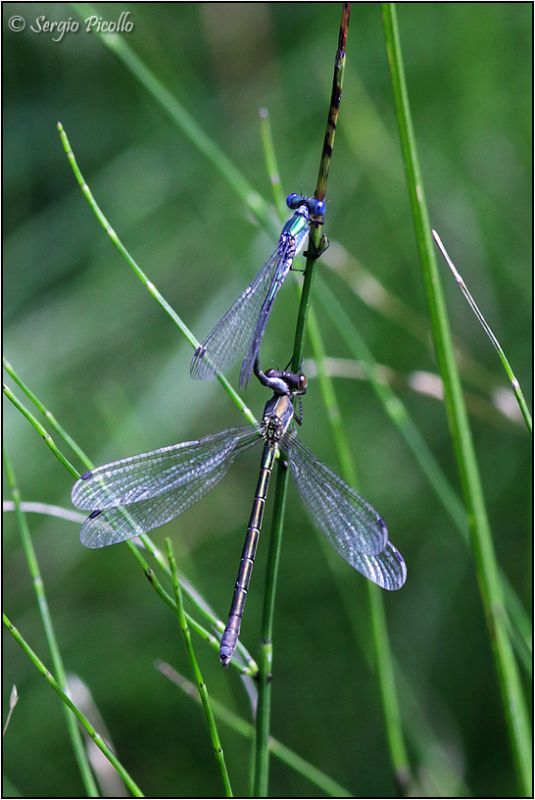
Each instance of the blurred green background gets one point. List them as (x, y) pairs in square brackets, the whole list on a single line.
[(90, 341)]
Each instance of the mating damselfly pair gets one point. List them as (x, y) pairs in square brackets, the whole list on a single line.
[(134, 495)]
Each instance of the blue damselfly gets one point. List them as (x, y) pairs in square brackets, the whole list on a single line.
[(134, 495), (240, 331)]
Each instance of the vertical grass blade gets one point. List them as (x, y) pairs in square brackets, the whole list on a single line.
[(482, 545), (271, 163), (48, 627), (486, 327), (201, 685), (263, 709)]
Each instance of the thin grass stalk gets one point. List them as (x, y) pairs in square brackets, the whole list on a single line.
[(271, 163), (45, 509), (201, 685), (43, 433), (180, 116), (265, 662), (44, 411), (136, 269), (311, 773), (400, 417), (250, 667), (54, 684), (481, 539), (382, 651), (486, 327), (73, 730)]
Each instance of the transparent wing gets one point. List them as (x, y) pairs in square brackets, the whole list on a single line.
[(135, 495), (349, 522), (387, 569), (234, 333), (352, 526), (288, 249)]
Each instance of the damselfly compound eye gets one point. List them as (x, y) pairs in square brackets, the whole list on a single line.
[(302, 383), (317, 207), (294, 200)]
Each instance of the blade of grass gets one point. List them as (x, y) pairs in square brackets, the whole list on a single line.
[(44, 411), (260, 776), (136, 269), (65, 699), (46, 509), (271, 163), (486, 327), (48, 627), (201, 685), (481, 539)]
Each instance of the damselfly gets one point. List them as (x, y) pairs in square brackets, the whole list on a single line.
[(240, 330), (134, 495)]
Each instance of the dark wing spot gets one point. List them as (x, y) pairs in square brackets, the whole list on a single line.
[(95, 513), (86, 475)]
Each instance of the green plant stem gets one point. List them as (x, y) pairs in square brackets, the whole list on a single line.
[(138, 272), (43, 433), (482, 545), (53, 683), (201, 685), (44, 411), (324, 782), (46, 619), (271, 163), (265, 661), (486, 327), (261, 751), (250, 667)]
